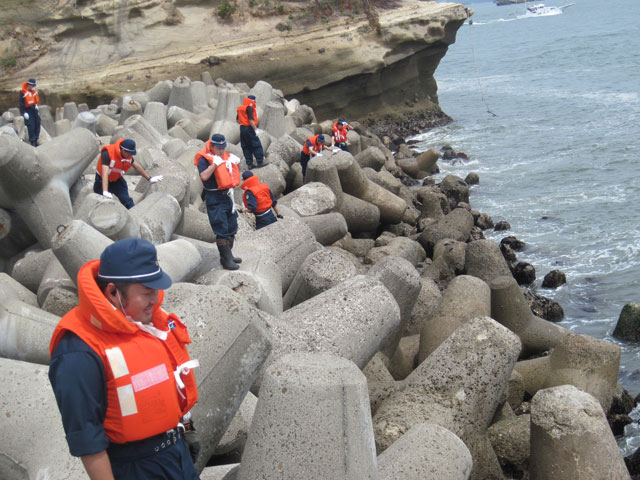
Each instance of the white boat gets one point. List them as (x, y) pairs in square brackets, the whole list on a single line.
[(541, 10)]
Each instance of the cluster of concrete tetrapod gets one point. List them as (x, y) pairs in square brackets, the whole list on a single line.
[(333, 352)]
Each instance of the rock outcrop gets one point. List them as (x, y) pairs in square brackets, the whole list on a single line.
[(373, 66)]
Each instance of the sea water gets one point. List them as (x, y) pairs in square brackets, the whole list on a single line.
[(548, 111)]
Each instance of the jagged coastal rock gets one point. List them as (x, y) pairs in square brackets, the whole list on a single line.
[(372, 64)]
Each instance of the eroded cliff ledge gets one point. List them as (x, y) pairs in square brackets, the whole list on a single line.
[(377, 71)]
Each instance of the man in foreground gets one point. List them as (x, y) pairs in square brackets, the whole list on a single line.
[(121, 372), (115, 159)]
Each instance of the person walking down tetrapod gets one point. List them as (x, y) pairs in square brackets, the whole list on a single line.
[(121, 373), (339, 133), (115, 159), (312, 147), (29, 100), (220, 173), (259, 200), (247, 117)]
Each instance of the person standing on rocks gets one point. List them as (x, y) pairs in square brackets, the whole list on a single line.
[(121, 372), (29, 100), (339, 133), (247, 117), (114, 161), (259, 200), (220, 173), (313, 146)]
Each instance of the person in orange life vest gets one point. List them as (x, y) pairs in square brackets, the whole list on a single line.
[(339, 134), (121, 372), (312, 146), (220, 173), (29, 100), (258, 200), (114, 161), (247, 117)]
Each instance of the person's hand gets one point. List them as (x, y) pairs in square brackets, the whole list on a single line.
[(257, 130), (107, 194), (279, 216), (156, 179), (37, 108), (25, 115)]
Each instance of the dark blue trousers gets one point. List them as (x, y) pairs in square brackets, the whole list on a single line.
[(119, 188), (304, 160), (33, 125), (141, 461), (251, 146), (223, 222), (265, 218)]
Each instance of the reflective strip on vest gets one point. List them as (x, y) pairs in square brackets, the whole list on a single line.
[(149, 378), (127, 400), (117, 362)]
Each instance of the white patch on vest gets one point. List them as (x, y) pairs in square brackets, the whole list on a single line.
[(95, 322), (149, 378), (117, 362), (127, 401)]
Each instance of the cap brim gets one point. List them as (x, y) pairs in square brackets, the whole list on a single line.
[(161, 283)]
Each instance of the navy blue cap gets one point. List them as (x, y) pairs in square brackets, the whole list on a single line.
[(218, 140), (321, 138), (32, 81), (133, 260), (341, 120), (246, 174), (129, 146), (252, 97)]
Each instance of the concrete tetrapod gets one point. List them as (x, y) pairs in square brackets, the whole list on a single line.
[(426, 452), (328, 227), (76, 244), (312, 421), (354, 182), (180, 95), (25, 330), (509, 307), (287, 243), (35, 182), (352, 320), (571, 439), (403, 281), (320, 271), (459, 386), (34, 443), (231, 346), (158, 215), (108, 216), (179, 259)]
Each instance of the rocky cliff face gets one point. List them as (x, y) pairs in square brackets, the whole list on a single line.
[(372, 64)]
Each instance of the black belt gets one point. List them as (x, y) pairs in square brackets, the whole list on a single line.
[(145, 447)]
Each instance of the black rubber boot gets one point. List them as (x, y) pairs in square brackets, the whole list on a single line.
[(226, 259), (235, 259)]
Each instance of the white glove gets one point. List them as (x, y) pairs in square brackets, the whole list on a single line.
[(25, 115), (156, 179), (107, 194), (257, 131), (37, 108), (319, 155)]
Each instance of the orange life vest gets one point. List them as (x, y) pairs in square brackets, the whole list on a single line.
[(260, 190), (314, 141), (243, 118), (118, 165), (227, 173), (31, 97), (150, 385), (340, 135)]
